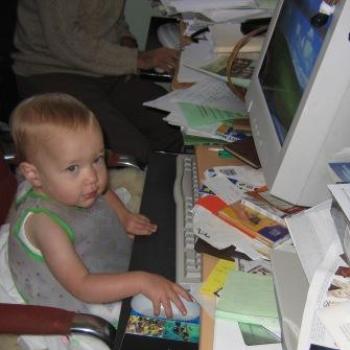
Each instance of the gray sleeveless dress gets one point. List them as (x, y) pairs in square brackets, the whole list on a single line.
[(96, 234)]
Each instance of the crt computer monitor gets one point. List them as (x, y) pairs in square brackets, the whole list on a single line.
[(299, 99)]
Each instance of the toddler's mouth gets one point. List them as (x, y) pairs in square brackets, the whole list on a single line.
[(90, 195)]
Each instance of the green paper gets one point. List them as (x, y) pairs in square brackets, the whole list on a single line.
[(225, 155), (198, 140), (249, 298), (197, 115)]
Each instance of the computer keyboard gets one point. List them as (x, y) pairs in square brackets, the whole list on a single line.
[(188, 261), (155, 253)]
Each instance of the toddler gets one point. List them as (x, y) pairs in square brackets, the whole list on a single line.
[(68, 245)]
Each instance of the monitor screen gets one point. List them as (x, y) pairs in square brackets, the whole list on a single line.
[(299, 99), (289, 61)]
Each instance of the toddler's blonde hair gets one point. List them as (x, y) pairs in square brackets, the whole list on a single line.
[(33, 120)]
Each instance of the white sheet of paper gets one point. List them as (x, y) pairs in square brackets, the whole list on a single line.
[(194, 54), (336, 319), (221, 235), (312, 232), (224, 188), (312, 330), (246, 174), (209, 92)]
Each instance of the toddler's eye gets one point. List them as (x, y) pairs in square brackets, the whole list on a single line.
[(72, 168), (100, 159)]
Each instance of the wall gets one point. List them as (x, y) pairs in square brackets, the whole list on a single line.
[(138, 14)]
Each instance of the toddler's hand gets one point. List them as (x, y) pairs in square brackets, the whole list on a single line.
[(162, 292), (138, 224)]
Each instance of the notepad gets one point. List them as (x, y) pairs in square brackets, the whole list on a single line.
[(217, 277), (249, 298)]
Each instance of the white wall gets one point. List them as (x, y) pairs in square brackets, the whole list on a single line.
[(138, 14)]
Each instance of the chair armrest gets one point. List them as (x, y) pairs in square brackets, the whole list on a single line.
[(42, 320), (128, 161), (116, 160), (95, 326)]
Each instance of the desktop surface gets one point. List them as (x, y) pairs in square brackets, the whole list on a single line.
[(155, 253)]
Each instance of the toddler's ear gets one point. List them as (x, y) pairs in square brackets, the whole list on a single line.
[(30, 172)]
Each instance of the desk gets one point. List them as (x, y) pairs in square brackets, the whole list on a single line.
[(207, 158)]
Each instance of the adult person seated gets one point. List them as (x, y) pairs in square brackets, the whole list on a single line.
[(84, 48)]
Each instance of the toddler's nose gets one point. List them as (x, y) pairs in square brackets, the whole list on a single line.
[(91, 176)]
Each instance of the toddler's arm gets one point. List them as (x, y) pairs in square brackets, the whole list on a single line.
[(136, 224), (70, 271)]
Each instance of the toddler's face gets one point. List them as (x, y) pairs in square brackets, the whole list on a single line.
[(72, 167)]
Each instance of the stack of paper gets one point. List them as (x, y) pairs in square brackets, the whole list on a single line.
[(203, 109)]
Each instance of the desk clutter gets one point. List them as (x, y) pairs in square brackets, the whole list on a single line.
[(236, 209), (247, 288), (282, 271), (206, 111), (235, 191), (320, 235)]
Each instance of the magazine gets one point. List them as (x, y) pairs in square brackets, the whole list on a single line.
[(241, 73)]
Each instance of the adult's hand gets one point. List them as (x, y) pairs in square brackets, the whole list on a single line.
[(162, 58)]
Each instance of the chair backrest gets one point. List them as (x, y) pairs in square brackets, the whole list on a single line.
[(8, 187)]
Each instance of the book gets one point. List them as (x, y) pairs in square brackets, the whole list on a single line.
[(273, 207), (253, 200), (245, 150), (242, 125), (248, 220)]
